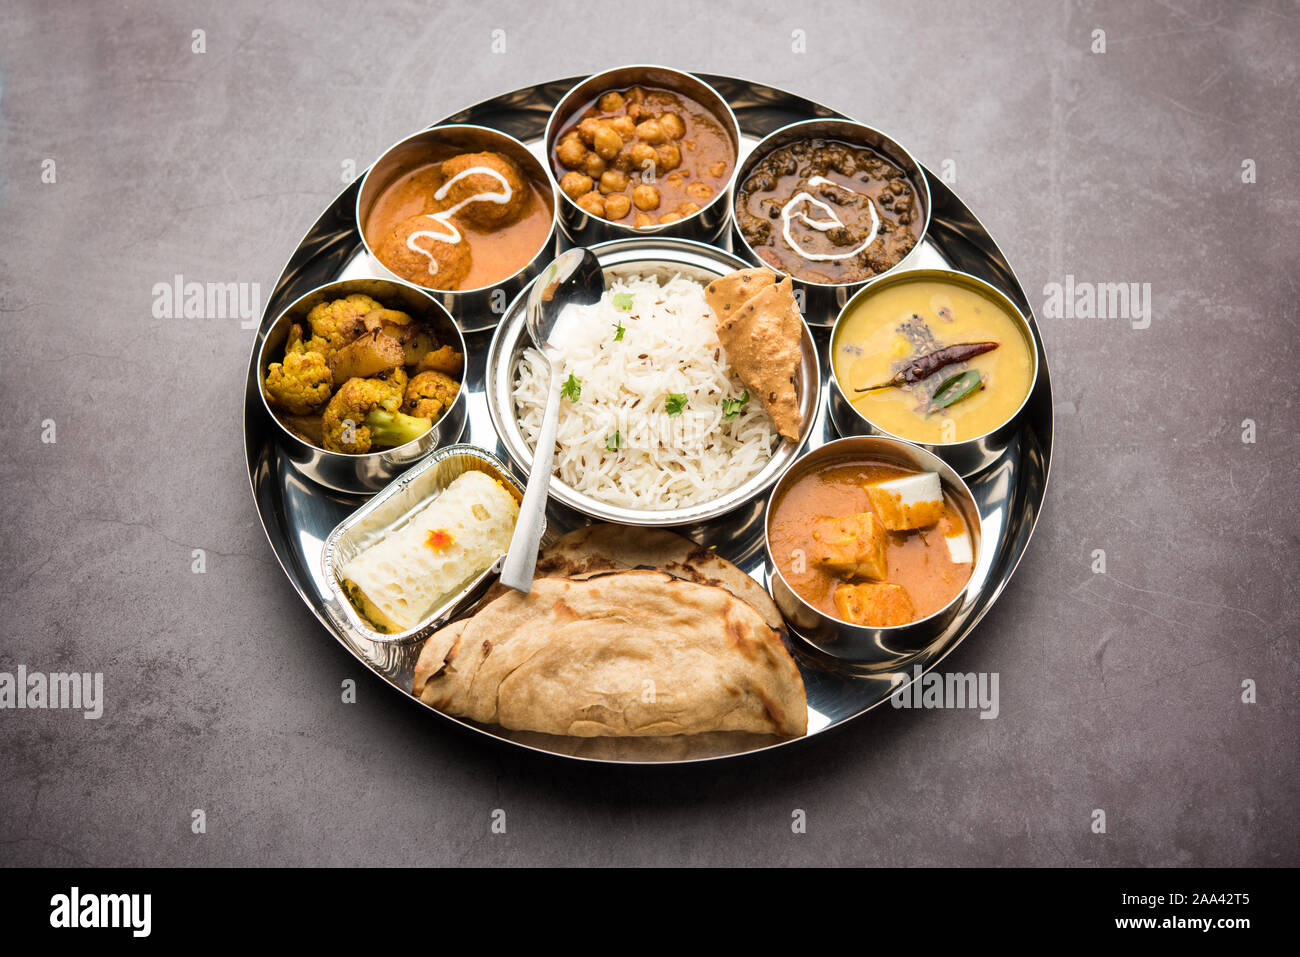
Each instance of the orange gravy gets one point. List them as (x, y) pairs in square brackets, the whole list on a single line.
[(918, 560), (497, 253)]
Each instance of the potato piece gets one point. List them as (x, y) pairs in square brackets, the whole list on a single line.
[(417, 346), (306, 427), (393, 322), (444, 359), (367, 356)]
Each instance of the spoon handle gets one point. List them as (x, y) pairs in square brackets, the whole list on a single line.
[(521, 559)]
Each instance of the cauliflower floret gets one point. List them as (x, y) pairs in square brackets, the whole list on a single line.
[(428, 394), (300, 384), (334, 324), (295, 343), (366, 412), (396, 382), (343, 424)]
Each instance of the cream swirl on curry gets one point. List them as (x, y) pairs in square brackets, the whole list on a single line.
[(443, 219), (464, 222), (845, 213), (789, 212)]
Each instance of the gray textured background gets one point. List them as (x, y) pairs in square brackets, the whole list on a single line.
[(1118, 691)]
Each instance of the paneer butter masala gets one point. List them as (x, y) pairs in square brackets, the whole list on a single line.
[(871, 542)]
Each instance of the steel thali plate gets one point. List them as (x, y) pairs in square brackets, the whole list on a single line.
[(298, 516)]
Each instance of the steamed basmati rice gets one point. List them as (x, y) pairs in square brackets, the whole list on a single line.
[(618, 441)]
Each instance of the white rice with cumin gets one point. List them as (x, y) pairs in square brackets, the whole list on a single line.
[(618, 441)]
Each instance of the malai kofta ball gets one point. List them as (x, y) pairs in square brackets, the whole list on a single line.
[(499, 205), (434, 263)]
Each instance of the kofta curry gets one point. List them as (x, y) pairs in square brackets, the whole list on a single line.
[(462, 222)]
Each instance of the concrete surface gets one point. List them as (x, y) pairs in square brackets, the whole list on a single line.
[(1120, 692)]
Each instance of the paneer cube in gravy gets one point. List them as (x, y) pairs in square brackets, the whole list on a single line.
[(830, 535), (875, 604), (914, 501), (853, 546)]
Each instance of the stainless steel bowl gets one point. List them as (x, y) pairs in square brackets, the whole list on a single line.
[(969, 456), (663, 258), (867, 648), (826, 299), (364, 474), (390, 509), (478, 308), (584, 229)]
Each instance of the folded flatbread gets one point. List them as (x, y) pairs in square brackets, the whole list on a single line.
[(760, 326), (626, 653), (600, 548)]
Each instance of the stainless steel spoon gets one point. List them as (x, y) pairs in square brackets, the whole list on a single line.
[(574, 278)]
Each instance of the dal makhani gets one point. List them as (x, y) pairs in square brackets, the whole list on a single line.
[(829, 212)]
